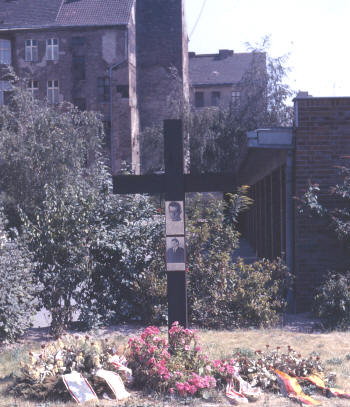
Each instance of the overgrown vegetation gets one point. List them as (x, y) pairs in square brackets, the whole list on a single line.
[(222, 293), (16, 285), (102, 255), (332, 300)]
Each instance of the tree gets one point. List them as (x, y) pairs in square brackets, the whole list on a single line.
[(213, 135), (335, 211), (43, 145)]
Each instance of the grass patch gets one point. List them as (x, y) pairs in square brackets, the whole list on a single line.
[(330, 347)]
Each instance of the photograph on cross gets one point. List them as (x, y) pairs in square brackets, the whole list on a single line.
[(175, 253), (174, 213)]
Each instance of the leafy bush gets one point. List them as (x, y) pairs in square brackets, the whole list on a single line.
[(222, 294), (240, 295), (128, 278), (16, 286), (332, 301)]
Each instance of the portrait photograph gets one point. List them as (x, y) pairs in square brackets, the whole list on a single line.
[(174, 213), (175, 253)]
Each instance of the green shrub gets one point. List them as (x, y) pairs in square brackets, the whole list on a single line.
[(128, 278), (332, 301), (16, 286), (222, 294), (241, 295)]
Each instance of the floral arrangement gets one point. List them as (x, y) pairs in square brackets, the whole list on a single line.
[(179, 366), (41, 373), (260, 370), (176, 366)]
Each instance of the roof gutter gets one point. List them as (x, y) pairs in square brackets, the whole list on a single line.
[(61, 27)]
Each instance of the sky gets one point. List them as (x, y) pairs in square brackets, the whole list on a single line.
[(315, 34)]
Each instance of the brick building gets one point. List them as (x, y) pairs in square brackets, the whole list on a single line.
[(215, 78), (111, 56), (278, 164)]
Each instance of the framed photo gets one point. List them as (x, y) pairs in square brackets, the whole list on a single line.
[(175, 253), (174, 218)]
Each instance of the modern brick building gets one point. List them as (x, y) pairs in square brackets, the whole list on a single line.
[(111, 56), (278, 164), (215, 78)]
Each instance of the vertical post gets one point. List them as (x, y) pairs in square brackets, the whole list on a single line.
[(290, 225), (175, 193), (272, 237)]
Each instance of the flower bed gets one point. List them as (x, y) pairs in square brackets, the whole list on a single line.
[(177, 366)]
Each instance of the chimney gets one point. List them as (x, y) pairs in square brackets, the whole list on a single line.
[(303, 94), (225, 53)]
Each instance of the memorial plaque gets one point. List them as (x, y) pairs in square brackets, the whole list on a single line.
[(175, 253), (174, 218)]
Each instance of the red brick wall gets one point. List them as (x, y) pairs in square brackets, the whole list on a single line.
[(322, 138)]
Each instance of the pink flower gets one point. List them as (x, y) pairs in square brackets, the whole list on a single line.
[(193, 389), (179, 386), (187, 348), (197, 348), (171, 390), (208, 368), (217, 363)]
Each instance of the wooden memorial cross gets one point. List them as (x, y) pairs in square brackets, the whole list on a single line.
[(174, 183)]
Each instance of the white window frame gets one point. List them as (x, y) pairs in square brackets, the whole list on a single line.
[(235, 97), (5, 52), (33, 87), (53, 92), (31, 50), (52, 49)]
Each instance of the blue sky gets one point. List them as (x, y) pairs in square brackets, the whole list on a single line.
[(315, 34)]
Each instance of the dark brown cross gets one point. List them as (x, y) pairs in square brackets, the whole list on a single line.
[(174, 183)]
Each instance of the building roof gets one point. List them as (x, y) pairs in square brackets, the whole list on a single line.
[(61, 13), (226, 67)]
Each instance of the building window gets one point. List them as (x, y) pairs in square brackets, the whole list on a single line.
[(199, 99), (80, 103), (33, 88), (31, 53), (215, 98), (52, 92), (52, 49), (5, 52), (103, 89), (235, 98), (5, 88), (123, 90), (78, 68)]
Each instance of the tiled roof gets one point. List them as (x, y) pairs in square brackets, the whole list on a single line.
[(28, 13), (53, 13), (95, 12), (214, 69)]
